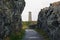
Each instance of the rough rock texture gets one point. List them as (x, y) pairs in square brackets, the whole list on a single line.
[(55, 4), (49, 20), (10, 16)]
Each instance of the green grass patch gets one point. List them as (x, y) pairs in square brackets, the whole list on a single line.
[(17, 36)]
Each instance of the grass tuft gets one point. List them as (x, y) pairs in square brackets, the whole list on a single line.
[(17, 36)]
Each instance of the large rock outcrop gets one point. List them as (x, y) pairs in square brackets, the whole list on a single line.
[(10, 16), (49, 20)]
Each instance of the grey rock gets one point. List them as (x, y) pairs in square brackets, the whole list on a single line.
[(10, 16), (49, 21)]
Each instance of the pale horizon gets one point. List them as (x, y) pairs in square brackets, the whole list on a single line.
[(35, 6)]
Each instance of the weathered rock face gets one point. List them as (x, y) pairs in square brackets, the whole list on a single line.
[(49, 21), (55, 4), (10, 16)]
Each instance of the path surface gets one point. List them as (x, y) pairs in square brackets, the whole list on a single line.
[(32, 35)]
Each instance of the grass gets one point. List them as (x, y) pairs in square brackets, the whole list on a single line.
[(43, 33), (17, 36)]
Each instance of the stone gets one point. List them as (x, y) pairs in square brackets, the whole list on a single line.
[(49, 20), (10, 16), (55, 4)]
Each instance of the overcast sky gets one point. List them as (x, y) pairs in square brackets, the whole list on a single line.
[(35, 6)]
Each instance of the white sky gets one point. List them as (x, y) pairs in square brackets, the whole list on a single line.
[(35, 6)]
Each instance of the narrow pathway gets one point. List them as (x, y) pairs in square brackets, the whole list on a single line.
[(32, 35)]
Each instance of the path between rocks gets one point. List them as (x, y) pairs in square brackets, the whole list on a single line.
[(31, 34)]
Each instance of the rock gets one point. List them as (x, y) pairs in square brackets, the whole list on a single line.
[(55, 4), (49, 20), (10, 16)]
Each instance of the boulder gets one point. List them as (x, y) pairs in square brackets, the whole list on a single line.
[(10, 16), (49, 20)]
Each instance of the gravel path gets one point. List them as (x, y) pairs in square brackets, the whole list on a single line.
[(32, 35)]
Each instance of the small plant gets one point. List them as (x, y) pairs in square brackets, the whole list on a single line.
[(17, 36)]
